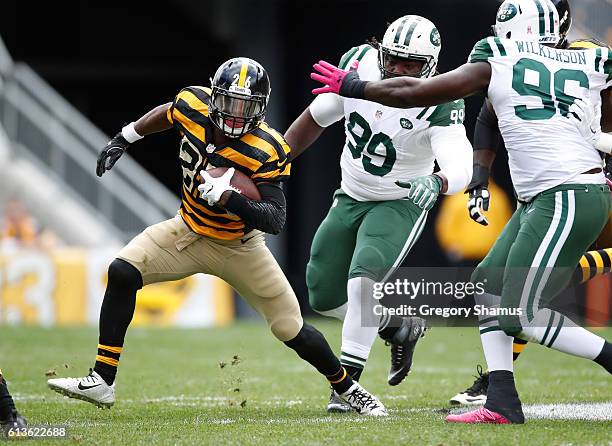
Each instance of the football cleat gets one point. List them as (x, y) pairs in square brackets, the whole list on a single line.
[(480, 415), (91, 388), (475, 394), (403, 343), (15, 422), (337, 404), (363, 401)]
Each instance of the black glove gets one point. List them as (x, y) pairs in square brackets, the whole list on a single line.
[(608, 168), (111, 153)]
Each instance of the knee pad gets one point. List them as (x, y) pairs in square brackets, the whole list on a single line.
[(370, 262), (286, 328), (124, 275), (324, 293)]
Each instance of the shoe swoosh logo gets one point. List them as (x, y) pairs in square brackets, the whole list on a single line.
[(244, 240), (82, 387), (470, 399)]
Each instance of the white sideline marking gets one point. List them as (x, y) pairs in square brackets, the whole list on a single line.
[(575, 411), (563, 411), (601, 411)]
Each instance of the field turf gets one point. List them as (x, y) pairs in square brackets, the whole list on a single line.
[(238, 385)]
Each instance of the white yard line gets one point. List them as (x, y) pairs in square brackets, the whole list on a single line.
[(600, 411)]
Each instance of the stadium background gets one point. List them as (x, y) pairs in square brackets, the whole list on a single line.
[(115, 60)]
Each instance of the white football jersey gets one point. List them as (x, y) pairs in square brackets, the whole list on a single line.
[(531, 89), (386, 144)]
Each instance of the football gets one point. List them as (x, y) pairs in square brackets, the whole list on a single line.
[(239, 181)]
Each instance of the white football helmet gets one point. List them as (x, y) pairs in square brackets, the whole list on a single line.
[(411, 37), (536, 20)]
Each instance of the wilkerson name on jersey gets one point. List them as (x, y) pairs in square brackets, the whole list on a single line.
[(531, 89), (384, 144)]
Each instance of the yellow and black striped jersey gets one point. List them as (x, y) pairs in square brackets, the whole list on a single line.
[(262, 155)]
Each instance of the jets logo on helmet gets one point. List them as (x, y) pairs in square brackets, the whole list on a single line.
[(410, 37), (240, 94), (506, 13), (536, 20)]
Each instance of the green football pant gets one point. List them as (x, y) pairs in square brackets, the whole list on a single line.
[(359, 239), (533, 258)]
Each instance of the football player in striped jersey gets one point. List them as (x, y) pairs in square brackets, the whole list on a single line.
[(388, 186), (217, 231), (536, 91)]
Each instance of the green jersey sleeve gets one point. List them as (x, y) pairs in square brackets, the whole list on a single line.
[(608, 68), (483, 50), (447, 114), (355, 53)]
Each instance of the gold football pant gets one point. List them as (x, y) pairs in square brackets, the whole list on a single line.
[(170, 251)]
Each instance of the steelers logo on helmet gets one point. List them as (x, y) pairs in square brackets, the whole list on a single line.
[(240, 94), (410, 47)]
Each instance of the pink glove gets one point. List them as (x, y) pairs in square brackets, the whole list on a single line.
[(330, 76)]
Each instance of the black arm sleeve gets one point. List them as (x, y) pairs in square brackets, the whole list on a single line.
[(486, 132), (267, 215)]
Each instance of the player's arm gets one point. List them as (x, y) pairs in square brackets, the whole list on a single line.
[(405, 92), (153, 121), (453, 152), (267, 215), (306, 129), (486, 141)]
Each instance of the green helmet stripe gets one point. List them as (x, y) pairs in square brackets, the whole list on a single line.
[(399, 31), (542, 15), (551, 17), (410, 31)]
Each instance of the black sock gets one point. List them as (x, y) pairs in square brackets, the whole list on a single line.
[(604, 358), (7, 405), (354, 372), (312, 347), (115, 316), (502, 396), (389, 325)]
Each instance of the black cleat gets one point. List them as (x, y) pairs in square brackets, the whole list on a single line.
[(11, 427), (476, 394), (337, 404), (403, 343)]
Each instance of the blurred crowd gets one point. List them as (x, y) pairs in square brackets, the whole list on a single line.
[(20, 230)]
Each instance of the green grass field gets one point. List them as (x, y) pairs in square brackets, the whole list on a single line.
[(172, 390)]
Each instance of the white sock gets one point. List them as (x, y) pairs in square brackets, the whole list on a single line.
[(496, 345), (552, 329), (360, 328)]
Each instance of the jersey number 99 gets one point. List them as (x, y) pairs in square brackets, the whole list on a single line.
[(361, 132)]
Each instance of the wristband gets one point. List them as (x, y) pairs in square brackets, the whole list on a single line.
[(130, 134), (480, 177)]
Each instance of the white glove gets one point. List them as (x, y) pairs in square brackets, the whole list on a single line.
[(212, 188), (479, 201), (582, 115)]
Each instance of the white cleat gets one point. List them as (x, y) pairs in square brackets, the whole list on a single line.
[(91, 388), (363, 401)]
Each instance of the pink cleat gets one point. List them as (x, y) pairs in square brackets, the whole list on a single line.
[(480, 415)]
